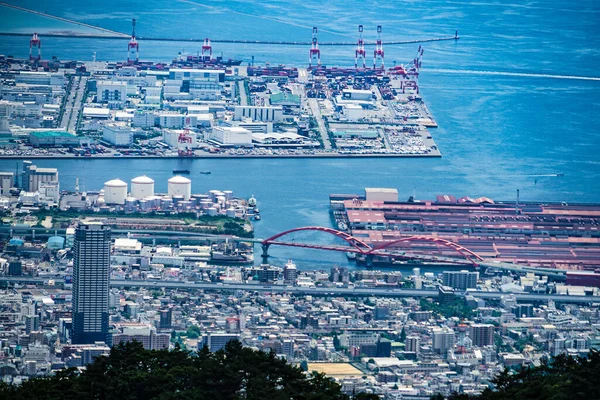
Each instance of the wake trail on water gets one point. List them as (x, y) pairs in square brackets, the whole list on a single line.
[(517, 74)]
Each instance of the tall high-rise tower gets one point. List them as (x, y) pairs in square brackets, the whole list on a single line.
[(91, 274)]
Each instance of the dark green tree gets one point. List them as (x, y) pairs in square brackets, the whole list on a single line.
[(130, 372)]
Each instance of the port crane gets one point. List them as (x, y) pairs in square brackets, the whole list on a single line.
[(314, 53), (378, 53), (360, 53), (133, 48), (409, 74), (206, 52), (37, 43)]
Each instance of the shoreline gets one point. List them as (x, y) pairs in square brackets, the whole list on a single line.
[(221, 156)]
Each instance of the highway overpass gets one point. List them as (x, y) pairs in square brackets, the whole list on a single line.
[(321, 291)]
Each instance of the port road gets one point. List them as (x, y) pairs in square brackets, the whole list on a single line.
[(316, 112), (320, 291)]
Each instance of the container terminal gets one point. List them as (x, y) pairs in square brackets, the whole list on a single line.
[(201, 105), (536, 234)]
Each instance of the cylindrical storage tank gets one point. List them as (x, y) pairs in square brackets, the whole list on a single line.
[(179, 185), (130, 202), (231, 212), (115, 192), (212, 211), (228, 194), (144, 205), (142, 187), (213, 194), (178, 199)]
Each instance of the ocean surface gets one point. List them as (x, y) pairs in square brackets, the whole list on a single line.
[(516, 98)]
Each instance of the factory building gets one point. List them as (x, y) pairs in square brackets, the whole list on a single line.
[(52, 139), (6, 182), (231, 135), (381, 194), (112, 92), (33, 176), (115, 192), (118, 135), (259, 113)]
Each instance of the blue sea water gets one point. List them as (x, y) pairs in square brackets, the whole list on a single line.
[(496, 131)]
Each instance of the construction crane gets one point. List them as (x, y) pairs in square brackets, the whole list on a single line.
[(360, 52), (133, 48), (314, 52), (378, 53), (35, 42), (206, 50), (184, 144)]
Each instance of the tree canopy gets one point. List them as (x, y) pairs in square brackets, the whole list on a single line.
[(562, 378), (130, 372)]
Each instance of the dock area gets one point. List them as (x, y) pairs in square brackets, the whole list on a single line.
[(200, 106), (536, 234)]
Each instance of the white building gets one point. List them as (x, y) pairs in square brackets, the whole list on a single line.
[(118, 135), (171, 120), (231, 135), (6, 182), (49, 192), (356, 94), (353, 112), (259, 113), (111, 91), (143, 119), (171, 137)]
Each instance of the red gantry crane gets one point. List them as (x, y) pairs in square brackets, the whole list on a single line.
[(360, 53), (378, 53), (35, 42), (206, 52), (133, 48), (314, 52)]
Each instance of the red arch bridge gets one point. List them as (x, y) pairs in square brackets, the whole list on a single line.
[(387, 249)]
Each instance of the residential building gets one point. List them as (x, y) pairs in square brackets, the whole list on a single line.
[(91, 271)]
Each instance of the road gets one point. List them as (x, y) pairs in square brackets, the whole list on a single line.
[(73, 104), (321, 291), (243, 95), (316, 112)]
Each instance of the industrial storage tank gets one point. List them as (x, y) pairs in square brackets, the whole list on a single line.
[(180, 186), (142, 187), (115, 192)]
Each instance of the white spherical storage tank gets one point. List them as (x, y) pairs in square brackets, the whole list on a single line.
[(115, 192), (180, 186), (142, 187)]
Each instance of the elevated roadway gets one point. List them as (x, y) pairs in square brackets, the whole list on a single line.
[(320, 291)]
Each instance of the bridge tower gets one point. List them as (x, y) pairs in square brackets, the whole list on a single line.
[(133, 48), (314, 54), (35, 42), (206, 52), (360, 53), (378, 53)]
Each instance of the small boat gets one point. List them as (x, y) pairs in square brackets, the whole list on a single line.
[(257, 217), (205, 172), (181, 171)]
